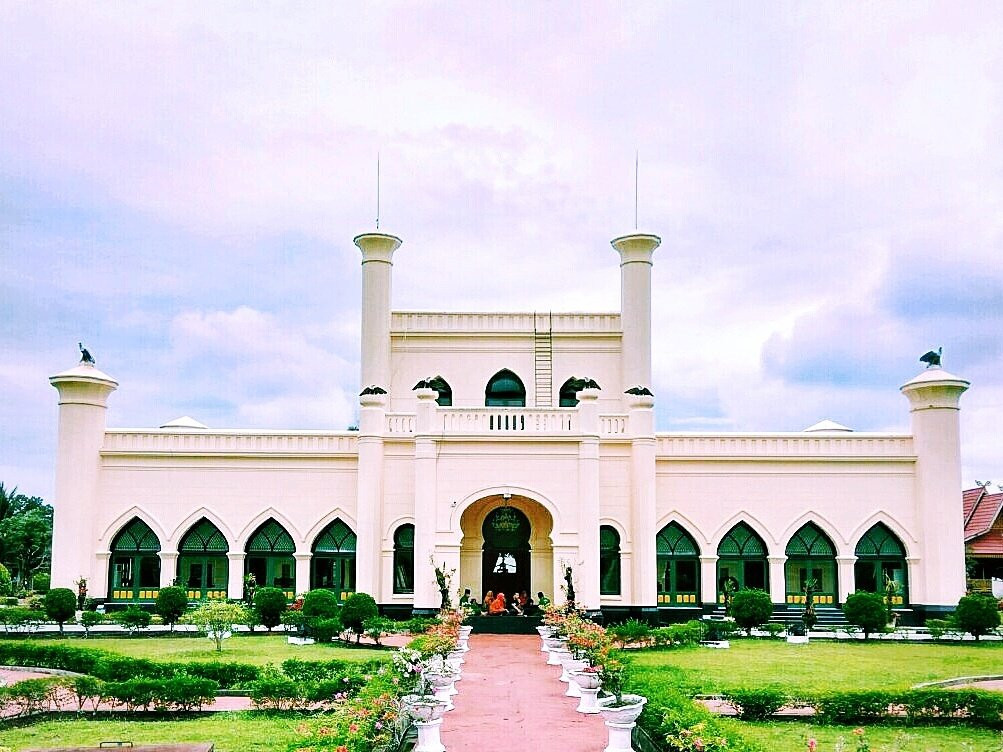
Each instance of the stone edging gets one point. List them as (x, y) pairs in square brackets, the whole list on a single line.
[(39, 670), (960, 680)]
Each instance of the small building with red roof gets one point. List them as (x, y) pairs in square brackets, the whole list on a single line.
[(983, 535)]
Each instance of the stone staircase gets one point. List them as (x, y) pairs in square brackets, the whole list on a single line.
[(827, 615)]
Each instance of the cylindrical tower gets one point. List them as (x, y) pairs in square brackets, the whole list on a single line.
[(377, 263), (635, 306), (933, 399), (83, 395)]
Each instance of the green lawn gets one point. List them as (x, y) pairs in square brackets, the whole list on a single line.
[(257, 650), (792, 737), (819, 665), (230, 732)]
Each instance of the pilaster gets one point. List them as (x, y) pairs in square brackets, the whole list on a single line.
[(588, 499), (168, 568), (426, 592), (368, 513), (235, 575), (708, 580), (641, 427), (302, 571), (845, 576), (778, 581)]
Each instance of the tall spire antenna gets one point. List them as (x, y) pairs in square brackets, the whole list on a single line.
[(377, 190), (636, 160)]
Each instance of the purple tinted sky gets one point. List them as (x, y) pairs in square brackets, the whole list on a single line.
[(179, 186)]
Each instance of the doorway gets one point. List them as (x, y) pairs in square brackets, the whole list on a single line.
[(505, 561)]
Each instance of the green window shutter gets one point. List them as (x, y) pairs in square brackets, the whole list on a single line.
[(335, 538), (204, 537), (672, 540), (810, 541), (271, 538), (135, 537), (743, 542)]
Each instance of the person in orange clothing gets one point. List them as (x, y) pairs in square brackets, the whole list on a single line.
[(498, 605)]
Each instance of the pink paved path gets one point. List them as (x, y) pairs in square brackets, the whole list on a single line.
[(510, 699)]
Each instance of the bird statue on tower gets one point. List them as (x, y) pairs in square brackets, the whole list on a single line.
[(85, 356), (932, 359)]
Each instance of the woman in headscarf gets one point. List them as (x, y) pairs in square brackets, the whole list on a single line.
[(488, 600), (498, 605)]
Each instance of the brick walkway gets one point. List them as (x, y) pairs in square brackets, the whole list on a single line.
[(510, 699)]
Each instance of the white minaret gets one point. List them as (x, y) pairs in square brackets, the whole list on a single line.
[(635, 307), (83, 395), (377, 263), (933, 402)]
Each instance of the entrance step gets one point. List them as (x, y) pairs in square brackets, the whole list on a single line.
[(505, 624)]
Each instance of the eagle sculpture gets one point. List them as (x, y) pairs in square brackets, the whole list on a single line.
[(85, 356), (577, 384), (932, 359), (639, 390), (372, 390)]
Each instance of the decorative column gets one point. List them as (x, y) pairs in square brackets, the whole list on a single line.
[(778, 579), (368, 511), (845, 578), (377, 263), (426, 594), (635, 306), (708, 580), (588, 499), (302, 571), (641, 429), (83, 396), (933, 404), (168, 568), (235, 575)]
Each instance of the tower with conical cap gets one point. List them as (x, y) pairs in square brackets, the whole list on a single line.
[(83, 396), (933, 405)]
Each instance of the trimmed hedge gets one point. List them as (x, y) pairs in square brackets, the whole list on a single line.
[(178, 693)]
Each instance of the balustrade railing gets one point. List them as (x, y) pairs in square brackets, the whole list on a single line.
[(169, 441), (509, 420), (784, 445)]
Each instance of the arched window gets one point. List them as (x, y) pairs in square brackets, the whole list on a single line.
[(880, 558), (134, 569), (810, 556), (445, 398), (741, 560), (609, 561), (203, 566), (333, 563), (678, 567), (404, 559), (568, 396), (270, 558), (505, 389)]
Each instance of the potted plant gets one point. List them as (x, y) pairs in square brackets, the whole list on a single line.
[(619, 710), (588, 689)]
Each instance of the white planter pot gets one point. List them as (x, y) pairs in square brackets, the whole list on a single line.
[(586, 679), (300, 640), (719, 644), (589, 704), (570, 667), (621, 720), (562, 656), (556, 650), (465, 630), (796, 639), (442, 683), (423, 709), (456, 655), (428, 736)]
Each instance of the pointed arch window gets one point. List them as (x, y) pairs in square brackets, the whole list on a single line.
[(741, 560), (880, 558), (811, 557), (270, 558), (333, 562), (404, 559), (678, 565), (568, 396), (203, 565), (609, 561), (134, 567), (505, 389)]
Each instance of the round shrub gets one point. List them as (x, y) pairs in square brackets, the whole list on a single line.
[(269, 603), (89, 619), (867, 611), (172, 602), (40, 583), (320, 604), (6, 586), (60, 605), (751, 608), (977, 614), (357, 609), (325, 630)]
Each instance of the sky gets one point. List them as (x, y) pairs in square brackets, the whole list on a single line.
[(180, 184)]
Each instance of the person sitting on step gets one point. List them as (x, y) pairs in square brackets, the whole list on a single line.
[(498, 606), (514, 609), (488, 600)]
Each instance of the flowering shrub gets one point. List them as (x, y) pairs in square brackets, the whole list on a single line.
[(697, 738)]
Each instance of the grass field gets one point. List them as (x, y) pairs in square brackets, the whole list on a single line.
[(792, 737), (257, 650), (230, 732), (819, 665)]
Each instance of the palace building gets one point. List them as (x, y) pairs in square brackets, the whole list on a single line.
[(508, 447)]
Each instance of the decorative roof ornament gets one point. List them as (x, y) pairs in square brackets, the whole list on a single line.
[(578, 384), (933, 359), (85, 355), (639, 391), (372, 390)]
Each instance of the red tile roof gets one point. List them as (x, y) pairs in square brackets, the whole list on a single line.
[(982, 511)]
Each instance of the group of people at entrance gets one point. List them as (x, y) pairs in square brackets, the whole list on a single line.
[(521, 604)]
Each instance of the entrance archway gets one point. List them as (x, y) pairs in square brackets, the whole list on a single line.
[(505, 563), (511, 536)]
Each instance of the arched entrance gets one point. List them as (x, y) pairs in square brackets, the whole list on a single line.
[(505, 563), (506, 546)]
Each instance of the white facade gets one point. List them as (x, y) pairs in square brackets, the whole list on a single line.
[(569, 470)]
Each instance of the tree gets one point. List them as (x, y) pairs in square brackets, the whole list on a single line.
[(6, 586), (60, 605), (90, 619), (216, 619), (172, 602), (134, 618), (357, 609), (977, 614), (320, 604), (25, 534), (867, 611), (751, 608), (270, 603)]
